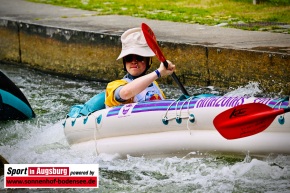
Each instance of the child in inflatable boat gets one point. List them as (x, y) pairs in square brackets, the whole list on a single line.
[(136, 85)]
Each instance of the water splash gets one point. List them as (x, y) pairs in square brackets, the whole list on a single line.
[(251, 89)]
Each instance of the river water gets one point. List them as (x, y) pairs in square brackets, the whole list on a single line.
[(42, 141)]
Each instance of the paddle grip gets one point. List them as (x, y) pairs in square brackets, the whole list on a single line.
[(165, 63)]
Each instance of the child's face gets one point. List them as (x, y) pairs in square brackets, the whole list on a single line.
[(135, 64)]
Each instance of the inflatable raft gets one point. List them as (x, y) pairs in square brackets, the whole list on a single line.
[(13, 103), (172, 126)]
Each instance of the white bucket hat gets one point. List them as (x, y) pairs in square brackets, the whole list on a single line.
[(133, 42)]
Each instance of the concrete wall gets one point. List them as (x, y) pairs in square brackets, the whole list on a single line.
[(93, 55)]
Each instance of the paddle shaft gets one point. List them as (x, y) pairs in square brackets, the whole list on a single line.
[(175, 78), (287, 110)]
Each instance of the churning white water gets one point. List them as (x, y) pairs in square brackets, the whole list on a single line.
[(42, 141)]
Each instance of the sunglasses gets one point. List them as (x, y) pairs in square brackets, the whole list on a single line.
[(132, 57)]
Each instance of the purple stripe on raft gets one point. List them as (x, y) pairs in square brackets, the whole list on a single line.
[(156, 106), (167, 104), (278, 104)]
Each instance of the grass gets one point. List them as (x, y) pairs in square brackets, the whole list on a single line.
[(207, 12)]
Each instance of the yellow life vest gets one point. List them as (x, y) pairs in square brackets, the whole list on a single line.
[(152, 92)]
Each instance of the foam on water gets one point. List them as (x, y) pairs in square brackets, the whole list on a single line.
[(42, 140), (251, 89)]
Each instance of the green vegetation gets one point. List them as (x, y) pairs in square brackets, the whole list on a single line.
[(267, 15)]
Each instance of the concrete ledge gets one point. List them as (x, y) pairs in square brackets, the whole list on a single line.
[(92, 55), (63, 51), (9, 40)]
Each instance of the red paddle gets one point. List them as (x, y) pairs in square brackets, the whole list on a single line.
[(152, 43), (246, 120)]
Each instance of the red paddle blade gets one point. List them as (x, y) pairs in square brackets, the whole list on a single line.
[(245, 120), (151, 41), (146, 29)]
